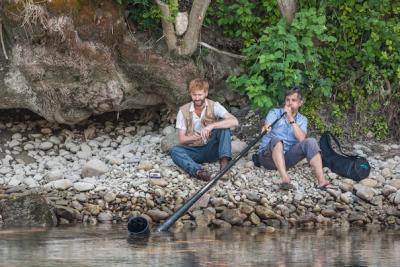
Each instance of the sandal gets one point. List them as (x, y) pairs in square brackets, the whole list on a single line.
[(285, 186), (326, 186)]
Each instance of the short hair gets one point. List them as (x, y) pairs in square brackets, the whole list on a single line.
[(198, 84), (294, 90)]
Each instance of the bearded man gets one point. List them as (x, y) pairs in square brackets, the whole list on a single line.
[(204, 134)]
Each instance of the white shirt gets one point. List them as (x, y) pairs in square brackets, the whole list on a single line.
[(219, 113)]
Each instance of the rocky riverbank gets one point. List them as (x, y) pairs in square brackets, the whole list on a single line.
[(100, 174)]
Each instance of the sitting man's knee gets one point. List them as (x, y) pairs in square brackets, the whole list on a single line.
[(175, 150), (311, 141), (277, 144)]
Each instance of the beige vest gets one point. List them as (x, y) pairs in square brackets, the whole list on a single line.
[(208, 118)]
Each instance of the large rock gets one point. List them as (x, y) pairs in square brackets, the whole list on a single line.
[(233, 216), (364, 192), (168, 142), (94, 167), (238, 146), (157, 215), (27, 210)]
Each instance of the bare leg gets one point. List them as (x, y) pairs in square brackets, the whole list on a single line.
[(316, 164), (279, 160)]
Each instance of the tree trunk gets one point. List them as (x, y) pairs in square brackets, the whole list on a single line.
[(287, 8), (186, 45)]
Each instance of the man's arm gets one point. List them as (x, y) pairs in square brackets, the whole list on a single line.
[(298, 132), (187, 139), (228, 121)]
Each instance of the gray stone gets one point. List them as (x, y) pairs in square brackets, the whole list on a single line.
[(347, 197), (55, 140), (145, 165), (365, 192), (13, 143), (27, 210), (109, 197), (16, 136), (395, 183), (347, 187), (94, 167), (264, 212), (221, 224), (14, 181), (5, 170), (395, 198), (369, 182), (388, 189), (158, 182), (168, 142), (246, 208), (254, 219), (83, 186), (181, 23), (62, 184), (66, 212), (54, 175), (238, 146), (30, 182), (76, 205), (157, 215), (45, 146), (233, 216), (105, 216), (29, 146), (252, 195), (386, 172), (81, 197), (169, 130)]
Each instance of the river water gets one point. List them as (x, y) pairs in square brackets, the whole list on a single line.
[(110, 245)]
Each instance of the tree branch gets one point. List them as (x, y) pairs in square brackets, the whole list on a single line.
[(287, 8), (2, 40), (220, 51), (196, 18), (168, 27)]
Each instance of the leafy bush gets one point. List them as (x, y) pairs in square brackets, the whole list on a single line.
[(285, 55)]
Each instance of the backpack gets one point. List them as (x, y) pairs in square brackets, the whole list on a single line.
[(350, 166)]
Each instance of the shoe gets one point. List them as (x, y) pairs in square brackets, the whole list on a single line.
[(203, 175), (223, 162), (285, 186)]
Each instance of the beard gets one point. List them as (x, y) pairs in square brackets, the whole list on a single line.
[(199, 103)]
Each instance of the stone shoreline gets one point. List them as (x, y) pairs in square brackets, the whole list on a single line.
[(100, 175)]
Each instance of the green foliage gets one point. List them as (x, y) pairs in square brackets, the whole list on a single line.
[(380, 127), (244, 18), (285, 55), (311, 111)]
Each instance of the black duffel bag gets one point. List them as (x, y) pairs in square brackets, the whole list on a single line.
[(350, 166)]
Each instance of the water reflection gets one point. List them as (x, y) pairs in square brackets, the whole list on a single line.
[(110, 245)]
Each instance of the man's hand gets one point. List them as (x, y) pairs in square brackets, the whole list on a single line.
[(205, 132), (289, 113), (266, 128), (196, 137)]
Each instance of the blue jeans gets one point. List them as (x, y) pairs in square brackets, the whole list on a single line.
[(217, 147)]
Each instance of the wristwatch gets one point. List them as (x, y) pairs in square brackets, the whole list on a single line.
[(291, 122)]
